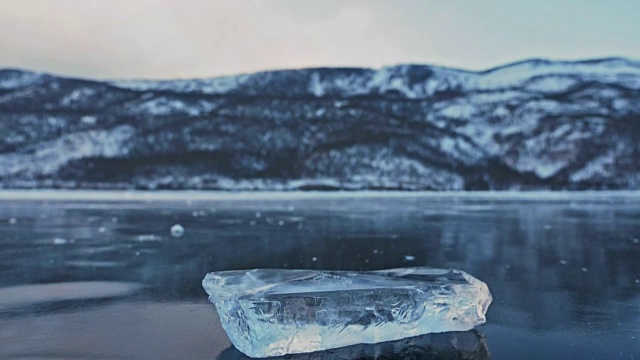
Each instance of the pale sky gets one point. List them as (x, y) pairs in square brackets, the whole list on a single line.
[(204, 38)]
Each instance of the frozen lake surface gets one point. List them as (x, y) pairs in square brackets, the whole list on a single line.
[(100, 275)]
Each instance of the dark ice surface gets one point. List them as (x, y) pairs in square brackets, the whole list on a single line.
[(101, 277)]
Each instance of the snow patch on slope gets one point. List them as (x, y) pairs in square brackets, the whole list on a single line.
[(78, 96), (551, 84), (219, 85), (15, 79), (49, 157), (601, 166)]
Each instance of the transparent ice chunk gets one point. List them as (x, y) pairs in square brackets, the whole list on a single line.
[(465, 345), (271, 312)]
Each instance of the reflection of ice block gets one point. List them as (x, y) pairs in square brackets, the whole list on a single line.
[(467, 345), (269, 312)]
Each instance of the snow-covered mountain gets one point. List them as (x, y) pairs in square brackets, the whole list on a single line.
[(533, 124)]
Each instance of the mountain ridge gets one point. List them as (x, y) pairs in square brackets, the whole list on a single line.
[(533, 124), (533, 60)]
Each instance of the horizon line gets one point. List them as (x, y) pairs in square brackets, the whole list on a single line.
[(542, 60)]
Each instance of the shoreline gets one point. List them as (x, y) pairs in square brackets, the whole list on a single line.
[(196, 195)]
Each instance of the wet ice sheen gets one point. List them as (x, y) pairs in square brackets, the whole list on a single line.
[(270, 312)]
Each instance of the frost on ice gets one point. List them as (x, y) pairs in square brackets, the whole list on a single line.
[(270, 312)]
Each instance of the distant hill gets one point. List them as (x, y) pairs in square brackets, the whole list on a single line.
[(535, 124)]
